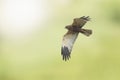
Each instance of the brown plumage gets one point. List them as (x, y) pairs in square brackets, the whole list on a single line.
[(70, 37)]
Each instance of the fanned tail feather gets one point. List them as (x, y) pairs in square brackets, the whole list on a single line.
[(86, 32)]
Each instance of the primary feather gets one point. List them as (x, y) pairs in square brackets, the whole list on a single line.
[(67, 44)]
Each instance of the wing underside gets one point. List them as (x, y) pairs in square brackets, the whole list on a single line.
[(67, 44)]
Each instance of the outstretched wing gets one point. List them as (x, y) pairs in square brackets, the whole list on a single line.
[(67, 44)]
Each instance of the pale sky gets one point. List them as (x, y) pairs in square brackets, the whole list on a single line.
[(19, 17)]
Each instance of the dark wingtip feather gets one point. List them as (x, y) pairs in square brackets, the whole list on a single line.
[(86, 18), (65, 53)]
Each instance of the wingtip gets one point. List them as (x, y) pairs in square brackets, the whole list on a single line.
[(65, 53), (86, 18)]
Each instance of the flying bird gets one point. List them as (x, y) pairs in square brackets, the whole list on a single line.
[(73, 30)]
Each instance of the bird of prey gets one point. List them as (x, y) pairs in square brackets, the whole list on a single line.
[(73, 30)]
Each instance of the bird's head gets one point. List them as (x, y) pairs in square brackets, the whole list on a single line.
[(68, 26)]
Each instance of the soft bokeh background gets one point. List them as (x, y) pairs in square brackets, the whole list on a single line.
[(31, 33)]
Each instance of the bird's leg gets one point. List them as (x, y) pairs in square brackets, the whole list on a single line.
[(86, 32)]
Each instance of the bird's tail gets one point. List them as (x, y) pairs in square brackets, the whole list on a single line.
[(86, 32)]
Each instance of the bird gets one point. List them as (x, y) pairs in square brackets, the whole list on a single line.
[(69, 38)]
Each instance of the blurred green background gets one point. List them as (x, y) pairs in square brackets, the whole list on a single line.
[(36, 55)]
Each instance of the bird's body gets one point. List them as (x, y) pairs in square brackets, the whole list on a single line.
[(72, 34)]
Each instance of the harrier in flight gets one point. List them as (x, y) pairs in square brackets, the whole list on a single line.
[(73, 30)]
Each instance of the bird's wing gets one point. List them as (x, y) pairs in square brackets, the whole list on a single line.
[(67, 44)]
